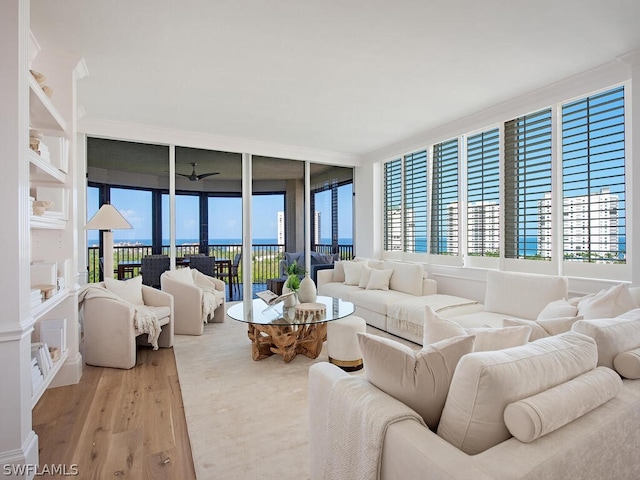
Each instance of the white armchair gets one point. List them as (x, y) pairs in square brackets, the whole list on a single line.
[(198, 299), (110, 333)]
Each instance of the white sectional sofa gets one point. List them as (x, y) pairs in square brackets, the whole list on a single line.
[(554, 408), (400, 309)]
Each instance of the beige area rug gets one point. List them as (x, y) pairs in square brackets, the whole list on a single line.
[(246, 419)]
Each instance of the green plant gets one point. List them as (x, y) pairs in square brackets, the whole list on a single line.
[(293, 282), (294, 269)]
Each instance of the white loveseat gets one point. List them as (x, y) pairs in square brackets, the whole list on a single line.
[(400, 310), (550, 409)]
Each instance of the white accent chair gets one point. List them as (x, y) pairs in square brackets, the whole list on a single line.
[(192, 305), (110, 336)]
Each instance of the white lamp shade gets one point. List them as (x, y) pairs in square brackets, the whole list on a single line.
[(107, 218)]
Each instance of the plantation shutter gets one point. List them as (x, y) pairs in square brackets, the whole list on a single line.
[(393, 205), (415, 202), (593, 178), (444, 199), (528, 186), (483, 193)]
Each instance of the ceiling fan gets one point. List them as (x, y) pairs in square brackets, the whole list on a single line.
[(194, 177)]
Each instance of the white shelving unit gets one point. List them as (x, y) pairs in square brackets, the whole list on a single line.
[(52, 239)]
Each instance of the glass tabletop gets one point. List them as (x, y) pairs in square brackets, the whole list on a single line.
[(258, 312)]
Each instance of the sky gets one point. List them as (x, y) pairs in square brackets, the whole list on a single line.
[(225, 215)]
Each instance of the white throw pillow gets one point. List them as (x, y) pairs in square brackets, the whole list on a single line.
[(379, 279), (613, 335), (129, 290), (558, 309), (537, 332), (352, 272), (419, 379), (365, 275), (556, 326), (182, 275), (407, 277), (437, 329), (484, 383), (607, 303), (338, 272)]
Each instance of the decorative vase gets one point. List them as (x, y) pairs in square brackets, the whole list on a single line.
[(307, 291), (291, 300)]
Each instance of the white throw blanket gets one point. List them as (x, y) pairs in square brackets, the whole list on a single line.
[(359, 416), (145, 320), (211, 297)]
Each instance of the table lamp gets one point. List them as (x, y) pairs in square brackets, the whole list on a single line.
[(106, 219)]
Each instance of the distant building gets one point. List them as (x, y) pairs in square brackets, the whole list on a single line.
[(394, 230), (280, 228), (316, 227), (483, 227), (590, 224)]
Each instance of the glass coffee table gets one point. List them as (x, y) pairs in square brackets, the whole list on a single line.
[(289, 331)]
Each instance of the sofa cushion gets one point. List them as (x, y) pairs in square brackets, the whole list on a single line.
[(613, 335), (182, 275), (607, 303), (437, 329), (379, 279), (533, 417), (558, 309), (407, 277), (484, 383), (537, 332), (522, 295), (163, 313), (129, 290), (338, 290), (627, 364), (352, 272), (419, 379), (374, 301), (475, 319), (365, 275)]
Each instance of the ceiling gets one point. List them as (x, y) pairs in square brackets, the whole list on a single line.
[(348, 76)]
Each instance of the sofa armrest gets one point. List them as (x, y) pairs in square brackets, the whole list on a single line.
[(187, 303), (316, 268), (429, 286), (324, 276)]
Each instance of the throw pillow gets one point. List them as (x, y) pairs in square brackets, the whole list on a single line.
[(613, 335), (338, 272), (407, 277), (484, 383), (182, 275), (535, 416), (607, 303), (379, 279), (556, 326), (129, 290), (627, 364), (419, 379), (558, 309), (365, 274), (352, 272), (537, 332), (437, 329)]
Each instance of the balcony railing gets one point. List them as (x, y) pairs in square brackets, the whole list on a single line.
[(265, 258)]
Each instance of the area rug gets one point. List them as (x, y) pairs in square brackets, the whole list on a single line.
[(246, 419)]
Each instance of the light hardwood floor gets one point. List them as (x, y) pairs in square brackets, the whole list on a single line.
[(118, 423)]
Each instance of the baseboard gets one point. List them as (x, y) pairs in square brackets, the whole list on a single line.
[(70, 373), (21, 463)]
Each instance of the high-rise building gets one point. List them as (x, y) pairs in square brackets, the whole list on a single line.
[(590, 225), (316, 227), (280, 228), (483, 227)]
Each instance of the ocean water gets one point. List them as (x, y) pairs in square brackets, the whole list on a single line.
[(219, 241)]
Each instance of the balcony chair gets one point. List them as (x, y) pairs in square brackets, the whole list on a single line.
[(204, 264), (111, 311), (198, 299), (234, 277), (152, 267)]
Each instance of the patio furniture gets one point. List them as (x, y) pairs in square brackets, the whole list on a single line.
[(234, 275), (152, 267), (204, 264)]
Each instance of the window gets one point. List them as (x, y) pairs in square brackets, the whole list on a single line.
[(135, 206), (528, 186), (444, 199), (483, 194), (593, 178), (393, 205), (415, 202)]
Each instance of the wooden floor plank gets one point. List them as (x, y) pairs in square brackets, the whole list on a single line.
[(123, 423)]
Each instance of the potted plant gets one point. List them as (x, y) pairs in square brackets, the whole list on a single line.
[(292, 284)]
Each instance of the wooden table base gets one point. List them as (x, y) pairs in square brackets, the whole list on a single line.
[(287, 340)]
